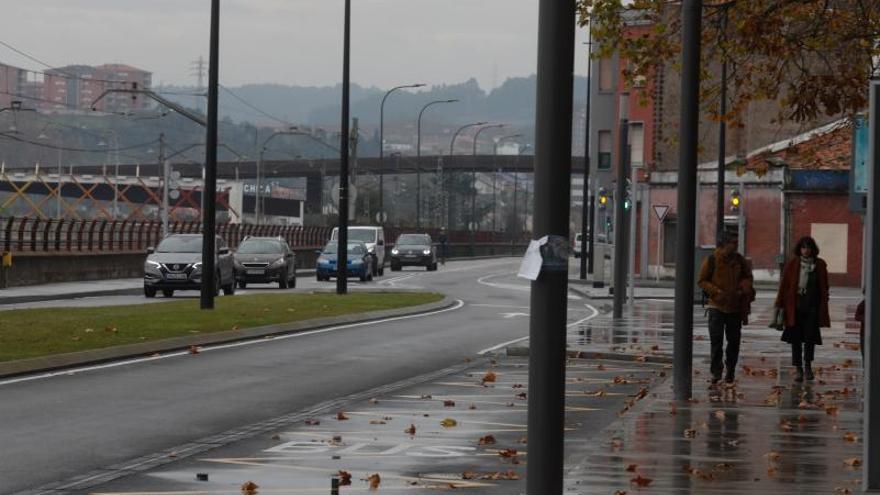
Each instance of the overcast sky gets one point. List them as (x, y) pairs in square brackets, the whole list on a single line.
[(286, 41)]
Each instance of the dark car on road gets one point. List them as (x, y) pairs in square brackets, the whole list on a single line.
[(360, 262), (176, 264), (265, 260), (413, 250)]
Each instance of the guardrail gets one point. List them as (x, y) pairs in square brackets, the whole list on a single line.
[(36, 235)]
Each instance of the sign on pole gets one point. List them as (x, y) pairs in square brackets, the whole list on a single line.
[(661, 211)]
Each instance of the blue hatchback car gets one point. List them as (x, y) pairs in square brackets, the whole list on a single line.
[(360, 262)]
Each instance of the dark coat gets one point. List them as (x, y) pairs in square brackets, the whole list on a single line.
[(786, 297), (723, 280)]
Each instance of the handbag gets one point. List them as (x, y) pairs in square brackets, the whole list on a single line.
[(778, 320)]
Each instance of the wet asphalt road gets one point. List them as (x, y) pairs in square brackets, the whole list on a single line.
[(59, 427)]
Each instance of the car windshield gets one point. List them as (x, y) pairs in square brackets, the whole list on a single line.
[(356, 234), (261, 246), (181, 244), (413, 240), (352, 249)]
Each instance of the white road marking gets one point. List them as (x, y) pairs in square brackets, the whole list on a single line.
[(260, 340), (484, 280), (595, 313)]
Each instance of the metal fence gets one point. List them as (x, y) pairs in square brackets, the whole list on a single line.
[(36, 235)]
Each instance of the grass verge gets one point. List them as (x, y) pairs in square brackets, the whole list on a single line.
[(30, 333)]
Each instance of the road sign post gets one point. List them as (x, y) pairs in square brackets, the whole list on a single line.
[(660, 211)]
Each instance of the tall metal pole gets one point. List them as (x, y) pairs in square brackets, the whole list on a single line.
[(419, 160), (722, 137), (871, 469), (382, 138), (165, 177), (621, 225), (258, 194), (60, 182), (342, 236), (691, 11), (586, 228), (210, 192), (549, 299)]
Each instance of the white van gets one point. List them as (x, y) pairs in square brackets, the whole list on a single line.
[(374, 238)]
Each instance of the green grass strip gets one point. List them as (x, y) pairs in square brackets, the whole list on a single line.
[(30, 333)]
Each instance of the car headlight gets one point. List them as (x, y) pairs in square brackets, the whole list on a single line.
[(152, 266), (371, 249), (197, 267), (277, 263), (357, 262), (426, 252), (323, 261), (395, 251)]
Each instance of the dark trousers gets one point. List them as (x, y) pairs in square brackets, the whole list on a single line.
[(801, 352), (721, 324)]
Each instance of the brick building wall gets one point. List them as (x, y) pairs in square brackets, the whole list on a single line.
[(827, 217)]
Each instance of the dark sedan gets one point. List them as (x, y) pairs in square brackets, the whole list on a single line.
[(414, 250), (265, 260), (176, 264)]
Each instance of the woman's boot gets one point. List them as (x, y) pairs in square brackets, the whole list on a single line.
[(800, 374), (809, 372)]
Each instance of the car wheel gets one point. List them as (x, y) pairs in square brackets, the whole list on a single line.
[(242, 285), (168, 293), (319, 278), (149, 292)]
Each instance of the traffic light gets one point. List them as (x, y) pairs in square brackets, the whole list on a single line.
[(603, 198), (735, 201)]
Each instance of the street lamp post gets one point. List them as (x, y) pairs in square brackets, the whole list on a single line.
[(342, 235), (495, 176), (382, 137), (473, 225), (461, 129), (419, 159), (258, 210), (587, 235), (209, 194)]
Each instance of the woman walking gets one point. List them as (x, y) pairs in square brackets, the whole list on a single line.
[(803, 297)]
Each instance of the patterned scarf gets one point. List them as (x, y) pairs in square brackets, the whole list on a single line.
[(807, 267)]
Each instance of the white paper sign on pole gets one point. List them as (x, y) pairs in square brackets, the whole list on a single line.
[(532, 261)]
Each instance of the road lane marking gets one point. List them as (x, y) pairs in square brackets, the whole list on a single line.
[(595, 313), (260, 340)]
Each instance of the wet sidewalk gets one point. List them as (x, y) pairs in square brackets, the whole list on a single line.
[(765, 434)]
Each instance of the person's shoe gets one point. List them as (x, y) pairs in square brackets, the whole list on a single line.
[(730, 378), (809, 373), (800, 374)]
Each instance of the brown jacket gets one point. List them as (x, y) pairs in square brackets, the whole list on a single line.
[(724, 283), (786, 298)]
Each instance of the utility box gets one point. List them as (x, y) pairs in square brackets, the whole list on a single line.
[(599, 265), (7, 259)]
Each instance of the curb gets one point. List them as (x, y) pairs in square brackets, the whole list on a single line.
[(523, 351), (97, 356), (131, 291)]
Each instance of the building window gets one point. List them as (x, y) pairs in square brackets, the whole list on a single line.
[(606, 74), (604, 150), (637, 144)]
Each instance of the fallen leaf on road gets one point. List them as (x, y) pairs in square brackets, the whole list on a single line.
[(616, 443), (619, 492), (831, 410), (723, 466), (377, 422), (600, 367), (111, 329), (487, 440), (411, 430), (720, 415), (489, 377), (507, 453), (632, 468), (426, 397), (853, 462), (641, 481), (448, 403), (276, 437), (374, 480), (344, 478), (690, 433), (642, 359), (673, 409), (312, 422), (236, 327), (850, 437), (773, 456), (249, 488), (340, 416), (521, 396), (771, 471), (842, 491), (449, 423), (194, 349), (597, 393), (472, 407)]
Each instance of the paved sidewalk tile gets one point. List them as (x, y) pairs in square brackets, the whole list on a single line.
[(767, 434)]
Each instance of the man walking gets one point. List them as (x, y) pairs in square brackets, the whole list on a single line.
[(444, 241), (724, 276)]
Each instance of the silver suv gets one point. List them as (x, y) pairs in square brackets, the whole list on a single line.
[(176, 264)]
